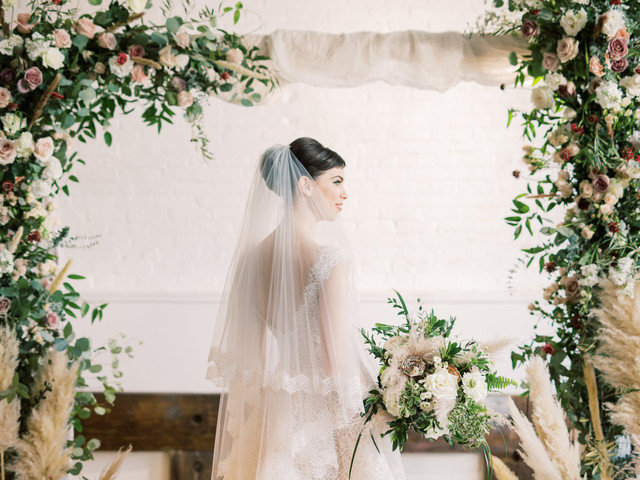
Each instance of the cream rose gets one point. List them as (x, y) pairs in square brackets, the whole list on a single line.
[(24, 144), (137, 6), (550, 61), (166, 58), (542, 97), (139, 74), (235, 55), (442, 384), (61, 38), (182, 60), (586, 232), (610, 199), (567, 49), (586, 189), (40, 188), (53, 58), (43, 148), (183, 39), (185, 99)]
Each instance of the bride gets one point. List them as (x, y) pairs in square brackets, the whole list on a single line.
[(286, 346)]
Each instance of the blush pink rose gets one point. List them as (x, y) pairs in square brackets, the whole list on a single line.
[(43, 149), (107, 40), (618, 48), (5, 97), (185, 99), (530, 29), (619, 65), (23, 25), (550, 61), (86, 27), (61, 38), (33, 77), (52, 320), (8, 151), (567, 49), (139, 74)]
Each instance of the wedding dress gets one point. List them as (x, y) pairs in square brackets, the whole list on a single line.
[(286, 346)]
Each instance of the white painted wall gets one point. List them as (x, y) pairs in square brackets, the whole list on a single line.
[(429, 177)]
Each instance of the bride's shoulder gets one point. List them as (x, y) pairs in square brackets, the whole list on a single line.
[(330, 257)]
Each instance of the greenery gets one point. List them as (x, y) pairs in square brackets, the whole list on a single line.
[(63, 76), (583, 160)]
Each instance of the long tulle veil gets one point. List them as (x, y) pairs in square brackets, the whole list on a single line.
[(285, 346)]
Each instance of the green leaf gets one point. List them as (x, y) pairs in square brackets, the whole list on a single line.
[(93, 444), (107, 138), (80, 41), (159, 38), (173, 24), (513, 58), (521, 207), (236, 16), (83, 344), (99, 410), (95, 2), (60, 344)]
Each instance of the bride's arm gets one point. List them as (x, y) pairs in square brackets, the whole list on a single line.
[(335, 325)]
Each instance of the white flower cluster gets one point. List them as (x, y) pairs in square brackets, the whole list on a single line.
[(609, 96), (590, 275), (6, 261), (9, 44), (573, 22), (40, 47), (614, 22), (622, 274)]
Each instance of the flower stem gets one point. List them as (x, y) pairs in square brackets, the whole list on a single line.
[(594, 408)]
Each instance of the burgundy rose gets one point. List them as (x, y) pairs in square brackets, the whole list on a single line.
[(34, 236), (136, 51), (618, 48), (572, 288), (178, 83), (225, 76), (548, 349), (7, 76), (601, 183), (13, 106), (122, 58), (6, 186), (613, 227), (619, 65), (5, 305), (567, 90), (530, 29), (575, 322), (583, 204)]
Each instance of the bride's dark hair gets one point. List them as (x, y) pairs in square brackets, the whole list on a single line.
[(315, 157), (312, 155)]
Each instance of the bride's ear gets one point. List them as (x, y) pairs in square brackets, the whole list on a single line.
[(306, 185)]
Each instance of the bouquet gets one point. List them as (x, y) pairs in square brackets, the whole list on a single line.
[(431, 381)]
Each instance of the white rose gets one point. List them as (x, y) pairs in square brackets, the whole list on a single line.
[(24, 144), (569, 113), (53, 58), (43, 148), (475, 386), (137, 6), (391, 398), (542, 97), (573, 22), (52, 169), (586, 189), (40, 188), (9, 44), (442, 384), (12, 123)]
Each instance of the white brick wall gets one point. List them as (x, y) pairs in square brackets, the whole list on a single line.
[(429, 177)]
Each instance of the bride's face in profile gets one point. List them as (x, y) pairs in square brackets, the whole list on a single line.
[(331, 185)]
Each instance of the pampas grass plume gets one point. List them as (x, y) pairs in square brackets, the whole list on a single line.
[(42, 449), (111, 470), (9, 412), (501, 471), (548, 417), (531, 448)]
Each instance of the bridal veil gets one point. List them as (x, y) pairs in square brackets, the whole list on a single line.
[(285, 346)]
